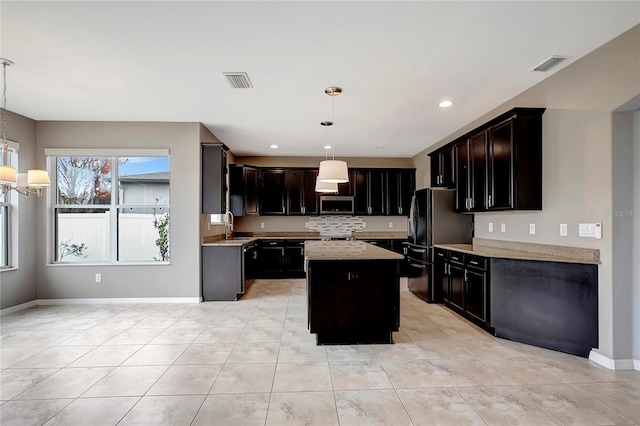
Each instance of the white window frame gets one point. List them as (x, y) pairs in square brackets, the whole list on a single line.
[(113, 207), (11, 203)]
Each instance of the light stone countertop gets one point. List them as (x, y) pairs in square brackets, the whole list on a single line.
[(216, 241), (560, 254), (346, 250)]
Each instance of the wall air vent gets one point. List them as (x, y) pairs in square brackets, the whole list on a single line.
[(547, 64), (238, 80)]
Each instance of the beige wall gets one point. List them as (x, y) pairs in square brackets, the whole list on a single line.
[(18, 285), (577, 158), (179, 279)]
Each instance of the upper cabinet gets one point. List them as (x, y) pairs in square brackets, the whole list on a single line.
[(214, 178), (400, 187), (370, 192), (244, 187), (302, 198), (273, 194), (442, 168), (497, 166)]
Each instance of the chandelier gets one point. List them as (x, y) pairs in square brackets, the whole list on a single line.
[(32, 182)]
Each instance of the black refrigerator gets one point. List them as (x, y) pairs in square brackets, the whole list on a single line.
[(432, 220)]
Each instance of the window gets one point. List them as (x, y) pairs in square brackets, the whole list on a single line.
[(4, 230), (111, 209)]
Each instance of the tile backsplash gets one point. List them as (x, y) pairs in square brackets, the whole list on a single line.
[(335, 225)]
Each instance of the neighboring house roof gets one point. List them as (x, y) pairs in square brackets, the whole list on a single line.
[(158, 177)]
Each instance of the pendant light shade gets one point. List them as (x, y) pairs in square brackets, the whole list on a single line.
[(333, 171), (38, 178), (7, 174), (326, 186)]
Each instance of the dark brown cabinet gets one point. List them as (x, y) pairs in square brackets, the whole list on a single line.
[(400, 187), (301, 195), (244, 186), (294, 259), (280, 259), (273, 194), (442, 168), (471, 168), (214, 181), (369, 191)]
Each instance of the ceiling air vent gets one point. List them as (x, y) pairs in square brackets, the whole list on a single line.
[(238, 80), (547, 64)]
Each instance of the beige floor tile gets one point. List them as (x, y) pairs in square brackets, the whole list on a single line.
[(576, 370), (447, 348), (358, 375), (261, 334), (55, 357), (186, 380), (66, 383), (302, 352), (484, 348), (297, 334), (467, 372), (244, 378), (398, 352), (254, 353), (214, 334), (293, 377), (135, 336), (569, 406), (233, 410), (370, 407), (169, 410), (521, 371), (154, 322), (106, 356), (212, 353), (93, 411), (126, 381), (621, 397), (302, 408), (15, 381), (30, 413), (173, 336), (419, 373), (91, 337), (12, 356), (438, 407), (505, 405), (156, 355), (341, 353)]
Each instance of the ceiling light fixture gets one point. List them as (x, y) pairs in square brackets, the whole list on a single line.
[(333, 171), (326, 187), (445, 104), (274, 146), (28, 183)]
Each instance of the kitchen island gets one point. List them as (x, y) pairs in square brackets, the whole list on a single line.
[(353, 292)]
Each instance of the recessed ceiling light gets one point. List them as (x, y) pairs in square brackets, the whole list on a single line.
[(445, 104), (327, 147), (380, 147), (274, 146)]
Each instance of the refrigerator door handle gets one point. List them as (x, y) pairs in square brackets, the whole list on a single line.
[(412, 212)]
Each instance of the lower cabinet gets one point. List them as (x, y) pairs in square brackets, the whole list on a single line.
[(281, 259), (463, 283), (222, 273)]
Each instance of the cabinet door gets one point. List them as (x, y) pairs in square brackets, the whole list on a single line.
[(309, 194), (377, 192), (447, 168), (272, 258), (478, 179), (462, 176), (295, 259), (456, 286), (214, 184), (500, 174), (407, 186), (435, 164), (476, 294), (251, 188), (400, 184), (293, 179), (440, 280), (273, 192), (360, 192)]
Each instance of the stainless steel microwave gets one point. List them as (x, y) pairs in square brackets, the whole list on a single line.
[(336, 204)]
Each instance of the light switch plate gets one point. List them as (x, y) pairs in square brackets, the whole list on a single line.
[(590, 230), (490, 226), (532, 228), (390, 224), (563, 230), (503, 227), (262, 225)]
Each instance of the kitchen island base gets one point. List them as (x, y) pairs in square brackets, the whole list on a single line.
[(353, 300)]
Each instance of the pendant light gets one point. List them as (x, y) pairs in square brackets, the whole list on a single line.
[(333, 171), (28, 183), (326, 187)]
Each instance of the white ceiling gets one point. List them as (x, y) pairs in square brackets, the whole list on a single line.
[(163, 61)]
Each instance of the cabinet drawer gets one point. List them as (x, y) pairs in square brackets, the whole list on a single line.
[(456, 257), (441, 254), (478, 262)]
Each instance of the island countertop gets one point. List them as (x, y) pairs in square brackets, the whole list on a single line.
[(346, 250)]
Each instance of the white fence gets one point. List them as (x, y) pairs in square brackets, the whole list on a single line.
[(136, 236)]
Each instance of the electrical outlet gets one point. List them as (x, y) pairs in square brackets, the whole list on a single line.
[(490, 226), (98, 278), (532, 228), (503, 227), (261, 225), (564, 231), (390, 224)]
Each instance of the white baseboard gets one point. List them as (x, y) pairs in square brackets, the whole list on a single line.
[(99, 301), (614, 364), (18, 308)]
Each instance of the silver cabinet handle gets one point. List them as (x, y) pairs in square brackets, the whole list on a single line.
[(302, 208), (466, 276), (449, 265), (490, 201), (473, 262), (445, 269), (400, 210)]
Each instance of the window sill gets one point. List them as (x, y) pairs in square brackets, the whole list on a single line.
[(10, 268), (63, 264)]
